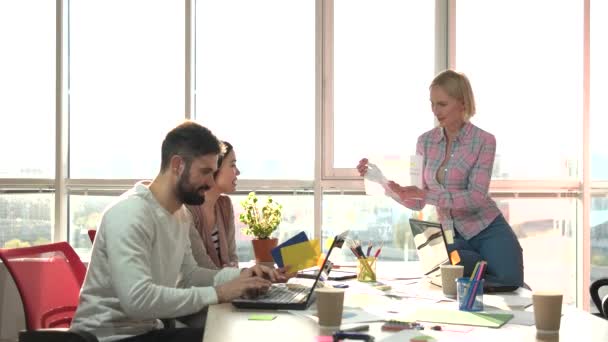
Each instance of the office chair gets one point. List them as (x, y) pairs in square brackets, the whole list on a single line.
[(601, 304), (48, 278), (92, 233)]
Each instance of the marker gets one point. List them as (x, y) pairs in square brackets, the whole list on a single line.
[(340, 335), (379, 250), (357, 328)]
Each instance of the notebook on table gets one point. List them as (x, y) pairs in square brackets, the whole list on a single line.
[(283, 297)]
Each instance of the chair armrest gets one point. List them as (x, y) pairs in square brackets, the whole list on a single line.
[(48, 320), (56, 335)]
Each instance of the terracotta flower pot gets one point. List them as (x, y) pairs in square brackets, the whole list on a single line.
[(262, 248)]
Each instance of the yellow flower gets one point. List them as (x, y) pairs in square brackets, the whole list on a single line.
[(260, 224)]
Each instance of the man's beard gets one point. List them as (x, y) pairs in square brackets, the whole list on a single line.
[(186, 192)]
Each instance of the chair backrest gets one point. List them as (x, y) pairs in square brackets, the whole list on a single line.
[(48, 278), (92, 233), (600, 303)]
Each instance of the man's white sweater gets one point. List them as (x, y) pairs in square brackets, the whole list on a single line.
[(142, 270)]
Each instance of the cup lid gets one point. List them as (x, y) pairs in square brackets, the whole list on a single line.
[(329, 290)]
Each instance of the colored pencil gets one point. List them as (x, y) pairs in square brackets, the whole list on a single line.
[(473, 289), (379, 250), (467, 288)]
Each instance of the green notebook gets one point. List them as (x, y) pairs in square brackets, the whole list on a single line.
[(480, 319)]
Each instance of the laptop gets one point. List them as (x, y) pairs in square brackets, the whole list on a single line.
[(431, 247), (299, 297), (432, 250)]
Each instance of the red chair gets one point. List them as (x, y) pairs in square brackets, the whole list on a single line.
[(92, 233), (48, 278)]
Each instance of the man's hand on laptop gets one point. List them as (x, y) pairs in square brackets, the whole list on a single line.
[(274, 275), (284, 271), (249, 286)]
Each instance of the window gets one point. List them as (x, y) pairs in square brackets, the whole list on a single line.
[(126, 85), (25, 219), (599, 240), (384, 61), (543, 222), (599, 72), (264, 71), (85, 214), (527, 77), (255, 83), (373, 219), (298, 215), (27, 89)]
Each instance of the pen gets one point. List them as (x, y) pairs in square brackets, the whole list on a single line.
[(378, 251), (369, 248), (357, 328), (353, 336), (358, 252), (343, 266)]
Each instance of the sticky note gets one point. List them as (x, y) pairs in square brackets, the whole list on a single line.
[(383, 287), (301, 255), (328, 243), (449, 236), (321, 260), (261, 317), (455, 257)]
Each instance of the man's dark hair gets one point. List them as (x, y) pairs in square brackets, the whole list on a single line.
[(188, 140)]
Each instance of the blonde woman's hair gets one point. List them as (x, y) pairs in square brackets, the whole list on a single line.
[(457, 85)]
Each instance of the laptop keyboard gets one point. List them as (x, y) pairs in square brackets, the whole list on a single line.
[(282, 294)]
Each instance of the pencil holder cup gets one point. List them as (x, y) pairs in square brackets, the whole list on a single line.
[(469, 294), (366, 269)]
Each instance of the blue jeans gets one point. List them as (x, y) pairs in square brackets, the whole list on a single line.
[(499, 247)]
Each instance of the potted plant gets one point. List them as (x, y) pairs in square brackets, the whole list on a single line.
[(261, 223)]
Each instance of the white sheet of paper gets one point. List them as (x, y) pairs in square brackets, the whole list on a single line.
[(350, 315), (376, 182), (381, 170), (508, 300)]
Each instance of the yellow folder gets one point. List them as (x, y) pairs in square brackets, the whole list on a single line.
[(301, 255)]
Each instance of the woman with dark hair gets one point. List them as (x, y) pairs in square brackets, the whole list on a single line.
[(212, 236)]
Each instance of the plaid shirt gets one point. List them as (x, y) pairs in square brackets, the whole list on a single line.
[(462, 201)]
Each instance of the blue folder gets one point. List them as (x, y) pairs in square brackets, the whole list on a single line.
[(276, 252)]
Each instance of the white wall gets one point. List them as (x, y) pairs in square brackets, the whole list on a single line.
[(12, 319)]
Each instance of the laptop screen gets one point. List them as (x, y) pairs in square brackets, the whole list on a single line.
[(431, 245), (326, 267)]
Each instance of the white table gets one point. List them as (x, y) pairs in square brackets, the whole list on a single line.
[(226, 323)]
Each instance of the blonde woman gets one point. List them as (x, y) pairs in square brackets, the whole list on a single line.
[(458, 159)]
